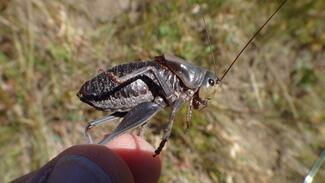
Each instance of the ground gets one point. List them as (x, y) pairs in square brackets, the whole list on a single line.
[(266, 124)]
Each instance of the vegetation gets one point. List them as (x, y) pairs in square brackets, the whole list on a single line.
[(267, 123)]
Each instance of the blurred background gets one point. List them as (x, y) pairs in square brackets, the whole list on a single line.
[(267, 123)]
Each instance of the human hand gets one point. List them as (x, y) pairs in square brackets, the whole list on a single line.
[(128, 159)]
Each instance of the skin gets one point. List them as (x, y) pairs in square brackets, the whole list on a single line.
[(137, 153), (126, 159)]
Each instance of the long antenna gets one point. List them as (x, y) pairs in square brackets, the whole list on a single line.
[(210, 48), (251, 39)]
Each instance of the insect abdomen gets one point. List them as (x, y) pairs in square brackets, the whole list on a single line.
[(140, 89), (127, 97), (104, 92)]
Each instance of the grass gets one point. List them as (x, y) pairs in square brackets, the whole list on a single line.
[(267, 123)]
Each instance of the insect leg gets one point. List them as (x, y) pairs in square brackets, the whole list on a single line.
[(189, 113), (101, 121), (135, 117), (165, 87), (142, 129), (168, 129)]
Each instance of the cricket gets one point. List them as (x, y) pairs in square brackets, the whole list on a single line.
[(136, 91)]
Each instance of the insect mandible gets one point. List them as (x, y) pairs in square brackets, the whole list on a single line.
[(136, 91)]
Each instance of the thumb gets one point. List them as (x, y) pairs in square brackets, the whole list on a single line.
[(137, 153)]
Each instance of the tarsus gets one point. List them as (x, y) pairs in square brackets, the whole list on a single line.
[(251, 39)]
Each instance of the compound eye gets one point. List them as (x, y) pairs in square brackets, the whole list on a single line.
[(211, 82)]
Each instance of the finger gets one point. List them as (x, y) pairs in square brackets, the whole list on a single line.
[(137, 153), (84, 163)]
